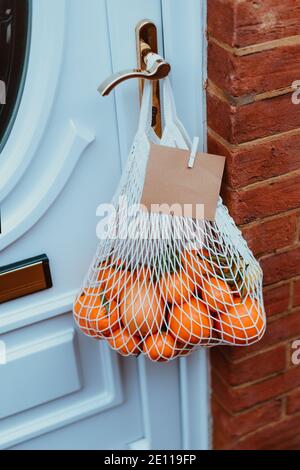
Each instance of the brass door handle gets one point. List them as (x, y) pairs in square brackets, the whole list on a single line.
[(150, 67), (160, 69)]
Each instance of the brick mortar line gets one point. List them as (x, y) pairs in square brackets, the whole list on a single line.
[(290, 283), (265, 349), (237, 414), (251, 143), (282, 419), (246, 99), (256, 48), (286, 342), (269, 218), (295, 278), (275, 251), (264, 254), (280, 251), (265, 182), (290, 311), (234, 415), (280, 283), (271, 425), (293, 310), (250, 383)]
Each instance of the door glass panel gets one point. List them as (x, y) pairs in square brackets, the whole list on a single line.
[(14, 39)]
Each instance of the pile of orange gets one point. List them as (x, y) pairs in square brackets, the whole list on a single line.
[(166, 317)]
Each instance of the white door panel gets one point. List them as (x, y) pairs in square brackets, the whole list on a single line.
[(64, 157), (68, 177)]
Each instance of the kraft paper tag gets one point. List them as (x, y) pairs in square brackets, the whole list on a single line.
[(171, 187)]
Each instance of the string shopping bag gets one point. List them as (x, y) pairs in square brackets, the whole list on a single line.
[(164, 285)]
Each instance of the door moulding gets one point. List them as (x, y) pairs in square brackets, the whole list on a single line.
[(76, 139)]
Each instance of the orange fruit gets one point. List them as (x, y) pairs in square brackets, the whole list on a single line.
[(112, 280), (176, 287), (91, 291), (190, 323), (192, 266), (123, 342), (241, 324), (142, 273), (83, 307), (206, 262), (160, 346), (118, 262), (120, 280), (195, 266), (217, 294), (104, 320), (108, 278), (141, 308)]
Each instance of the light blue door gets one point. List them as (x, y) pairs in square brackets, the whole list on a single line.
[(64, 155)]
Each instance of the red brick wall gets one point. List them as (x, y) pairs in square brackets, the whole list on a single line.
[(253, 58)]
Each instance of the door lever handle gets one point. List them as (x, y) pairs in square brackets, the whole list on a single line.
[(159, 69), (150, 66)]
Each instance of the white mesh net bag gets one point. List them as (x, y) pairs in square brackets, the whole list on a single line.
[(164, 285)]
